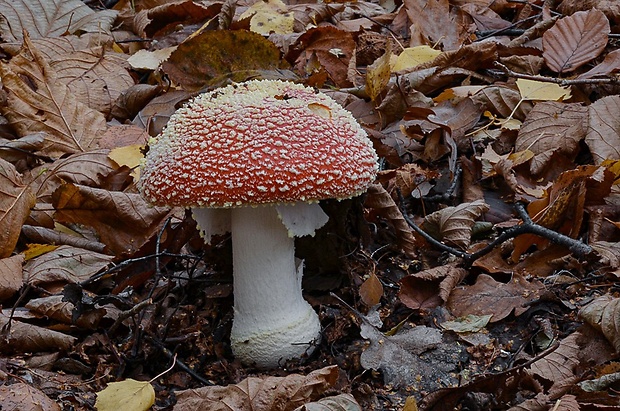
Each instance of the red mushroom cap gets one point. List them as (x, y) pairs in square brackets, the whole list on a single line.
[(255, 143)]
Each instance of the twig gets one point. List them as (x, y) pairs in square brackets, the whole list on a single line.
[(179, 363), (562, 82), (126, 314), (527, 227)]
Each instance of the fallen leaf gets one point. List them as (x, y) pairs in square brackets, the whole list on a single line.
[(453, 225), (130, 395), (604, 314), (468, 324), (52, 18), (270, 16), (15, 203), (575, 40), (539, 90), (38, 102), (490, 297), (371, 290), (609, 65), (21, 396), (603, 136), (414, 56), (378, 74), (213, 57), (342, 402), (11, 277), (19, 337), (266, 393)]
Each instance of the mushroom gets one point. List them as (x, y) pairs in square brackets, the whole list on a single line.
[(254, 159)]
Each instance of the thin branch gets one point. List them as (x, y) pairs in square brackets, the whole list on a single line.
[(561, 82)]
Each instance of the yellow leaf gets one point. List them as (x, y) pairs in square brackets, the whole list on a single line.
[(539, 90), (35, 250), (378, 74), (269, 16), (414, 56), (128, 395), (129, 156)]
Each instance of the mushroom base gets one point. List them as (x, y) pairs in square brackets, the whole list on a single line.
[(272, 321)]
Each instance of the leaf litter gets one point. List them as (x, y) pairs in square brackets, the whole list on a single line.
[(478, 272)]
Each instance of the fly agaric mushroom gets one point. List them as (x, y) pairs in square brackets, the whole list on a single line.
[(254, 159)]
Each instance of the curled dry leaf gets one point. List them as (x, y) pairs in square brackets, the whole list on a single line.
[(267, 393), (65, 264), (38, 102), (23, 397), (19, 337), (51, 18), (430, 288), (383, 204), (15, 203), (609, 253), (435, 24), (604, 314), (55, 308), (454, 224), (560, 365), (488, 296), (342, 402), (123, 221), (575, 40)]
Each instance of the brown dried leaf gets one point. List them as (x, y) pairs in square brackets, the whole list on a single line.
[(575, 40), (325, 48), (95, 77), (453, 224), (16, 200), (610, 65), (23, 397), (501, 101), (430, 288), (604, 314), (52, 18), (267, 393), (19, 337), (213, 57), (609, 252), (157, 16), (55, 308), (38, 102), (382, 203), (341, 402), (65, 264), (435, 22), (603, 137), (11, 277), (371, 291), (488, 296), (133, 99), (123, 221), (560, 365), (552, 127)]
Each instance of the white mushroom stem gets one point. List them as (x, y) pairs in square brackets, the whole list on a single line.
[(272, 323)]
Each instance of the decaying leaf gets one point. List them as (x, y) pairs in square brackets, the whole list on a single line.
[(51, 18), (19, 337), (342, 402), (490, 297), (128, 394), (378, 74), (213, 57), (38, 102), (16, 200), (604, 314), (11, 277), (267, 393), (603, 137), (453, 224), (575, 40), (23, 397)]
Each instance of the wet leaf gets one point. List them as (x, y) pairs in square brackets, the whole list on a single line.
[(267, 393), (342, 402), (575, 40), (468, 324), (21, 396), (129, 395)]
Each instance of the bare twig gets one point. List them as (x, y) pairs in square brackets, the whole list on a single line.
[(126, 314), (561, 82)]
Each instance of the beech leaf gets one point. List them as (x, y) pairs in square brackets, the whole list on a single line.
[(540, 90), (603, 137), (454, 224), (130, 395), (23, 397), (20, 337), (51, 18), (38, 102), (266, 393), (575, 40), (604, 314)]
